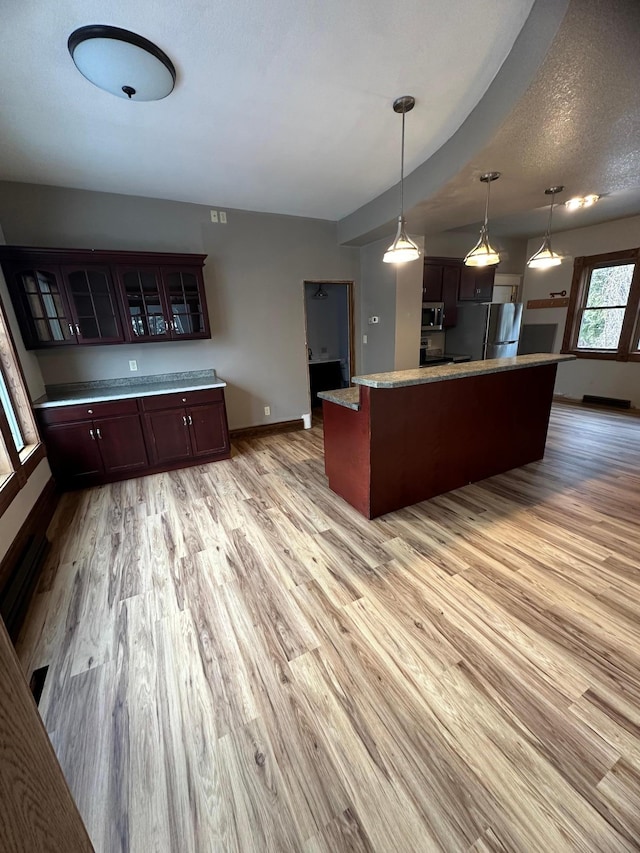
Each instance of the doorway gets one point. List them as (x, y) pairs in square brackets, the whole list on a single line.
[(330, 335)]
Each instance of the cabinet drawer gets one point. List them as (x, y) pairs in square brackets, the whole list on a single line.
[(181, 398), (87, 411)]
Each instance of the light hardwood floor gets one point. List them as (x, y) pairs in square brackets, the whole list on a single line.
[(240, 662)]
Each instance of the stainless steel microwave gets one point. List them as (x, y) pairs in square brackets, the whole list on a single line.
[(432, 316)]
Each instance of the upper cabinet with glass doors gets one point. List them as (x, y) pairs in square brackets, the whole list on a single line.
[(70, 297)]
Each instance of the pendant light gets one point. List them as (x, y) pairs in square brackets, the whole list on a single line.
[(545, 256), (320, 293), (483, 254), (403, 248)]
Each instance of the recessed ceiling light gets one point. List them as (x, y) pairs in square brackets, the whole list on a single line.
[(121, 62), (583, 201)]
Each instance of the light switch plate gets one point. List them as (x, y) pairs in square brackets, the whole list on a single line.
[(223, 217), (214, 215), (133, 364)]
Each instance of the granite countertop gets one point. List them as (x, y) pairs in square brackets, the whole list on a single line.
[(347, 397), (102, 390), (440, 373)]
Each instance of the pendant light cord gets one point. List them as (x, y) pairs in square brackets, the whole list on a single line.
[(553, 198), (486, 206), (402, 169)]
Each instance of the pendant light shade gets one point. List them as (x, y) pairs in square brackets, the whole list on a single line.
[(545, 256), (483, 254), (121, 62), (403, 248)]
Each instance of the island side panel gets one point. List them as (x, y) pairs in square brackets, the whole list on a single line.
[(429, 439), (347, 451)]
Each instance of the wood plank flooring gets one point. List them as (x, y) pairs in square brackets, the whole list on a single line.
[(241, 662)]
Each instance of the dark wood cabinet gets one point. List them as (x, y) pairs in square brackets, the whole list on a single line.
[(91, 443), (476, 284), (121, 444), (440, 283), (73, 453), (448, 280), (66, 297), (83, 452), (432, 282), (191, 424), (92, 299), (40, 303), (169, 434)]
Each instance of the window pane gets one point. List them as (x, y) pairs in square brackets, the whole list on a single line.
[(610, 286), (5, 402), (600, 328)]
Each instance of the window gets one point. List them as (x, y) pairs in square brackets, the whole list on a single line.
[(20, 446), (603, 320)]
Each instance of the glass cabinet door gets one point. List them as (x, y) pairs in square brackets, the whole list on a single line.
[(184, 289), (143, 304), (92, 300), (48, 315)]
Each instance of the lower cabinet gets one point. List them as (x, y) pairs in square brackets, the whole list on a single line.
[(94, 443)]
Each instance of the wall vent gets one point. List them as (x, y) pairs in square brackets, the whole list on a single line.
[(607, 401)]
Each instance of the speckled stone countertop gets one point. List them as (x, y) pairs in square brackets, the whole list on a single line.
[(439, 373), (102, 390), (347, 397)]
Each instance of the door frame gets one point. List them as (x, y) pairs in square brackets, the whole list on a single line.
[(351, 324)]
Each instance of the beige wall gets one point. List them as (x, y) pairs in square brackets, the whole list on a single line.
[(583, 376), (254, 274)]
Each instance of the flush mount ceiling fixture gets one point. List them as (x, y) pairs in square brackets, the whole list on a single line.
[(483, 254), (122, 62), (581, 201), (403, 248), (545, 256)]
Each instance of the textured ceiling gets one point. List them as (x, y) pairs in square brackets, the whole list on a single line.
[(279, 106), (578, 125)]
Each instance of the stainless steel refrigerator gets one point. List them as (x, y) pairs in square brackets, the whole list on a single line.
[(486, 330)]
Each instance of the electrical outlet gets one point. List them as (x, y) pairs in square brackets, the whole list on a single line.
[(133, 364), (364, 339), (214, 215), (223, 217), (267, 410)]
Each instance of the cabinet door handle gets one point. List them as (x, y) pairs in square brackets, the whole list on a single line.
[(92, 434), (190, 421), (184, 420), (99, 434), (71, 329), (77, 330)]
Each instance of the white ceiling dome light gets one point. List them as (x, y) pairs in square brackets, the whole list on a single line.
[(121, 62)]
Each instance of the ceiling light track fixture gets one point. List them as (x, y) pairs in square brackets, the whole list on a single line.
[(545, 256), (403, 248), (121, 62), (581, 201), (483, 254)]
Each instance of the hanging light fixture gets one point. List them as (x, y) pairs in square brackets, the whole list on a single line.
[(545, 256), (320, 293), (122, 62), (483, 254), (403, 248)]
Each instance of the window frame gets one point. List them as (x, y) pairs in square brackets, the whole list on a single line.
[(582, 269), (20, 463)]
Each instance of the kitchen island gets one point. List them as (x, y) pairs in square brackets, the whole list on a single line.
[(405, 436)]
